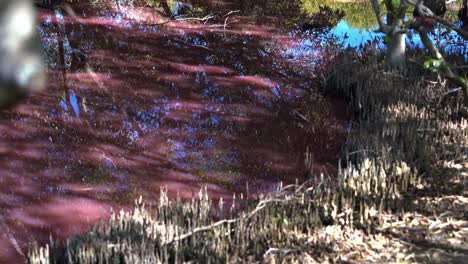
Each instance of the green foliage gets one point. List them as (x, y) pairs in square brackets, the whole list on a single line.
[(280, 220), (359, 14), (396, 4), (325, 18), (387, 39), (289, 11), (433, 64)]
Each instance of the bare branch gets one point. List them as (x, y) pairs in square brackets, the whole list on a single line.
[(452, 26), (427, 13), (380, 18), (446, 70), (231, 12)]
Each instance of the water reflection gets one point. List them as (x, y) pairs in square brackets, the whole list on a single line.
[(446, 40), (353, 37), (133, 106), (73, 101), (137, 102)]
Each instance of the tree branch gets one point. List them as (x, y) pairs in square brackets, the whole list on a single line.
[(380, 18), (427, 13), (446, 70)]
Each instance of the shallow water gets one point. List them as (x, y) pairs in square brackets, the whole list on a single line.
[(135, 104)]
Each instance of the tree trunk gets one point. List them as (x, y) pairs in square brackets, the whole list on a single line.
[(396, 54), (396, 50)]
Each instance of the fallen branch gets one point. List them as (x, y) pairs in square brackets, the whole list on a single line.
[(202, 19), (260, 206)]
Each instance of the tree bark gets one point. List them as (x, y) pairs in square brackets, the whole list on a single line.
[(396, 48)]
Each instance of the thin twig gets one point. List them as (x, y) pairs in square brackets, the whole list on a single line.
[(204, 19), (283, 251), (301, 116), (447, 94), (231, 12)]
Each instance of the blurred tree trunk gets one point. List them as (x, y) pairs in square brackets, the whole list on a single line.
[(396, 45), (464, 12), (21, 65)]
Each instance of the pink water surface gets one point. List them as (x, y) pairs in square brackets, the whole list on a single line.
[(132, 107)]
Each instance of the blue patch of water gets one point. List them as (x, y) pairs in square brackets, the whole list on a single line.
[(74, 103), (353, 37)]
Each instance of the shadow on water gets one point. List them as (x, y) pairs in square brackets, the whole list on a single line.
[(136, 103)]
